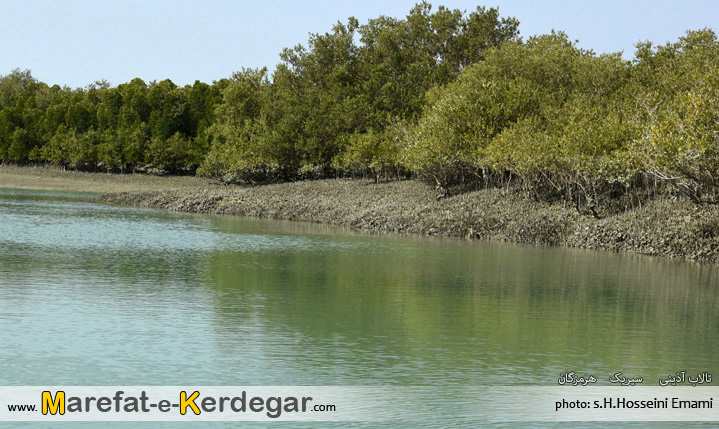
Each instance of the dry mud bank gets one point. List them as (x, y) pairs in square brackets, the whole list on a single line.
[(56, 179), (673, 228)]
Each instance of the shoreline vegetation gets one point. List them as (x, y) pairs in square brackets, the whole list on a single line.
[(462, 127), (672, 227)]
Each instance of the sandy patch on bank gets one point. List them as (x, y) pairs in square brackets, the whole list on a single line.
[(57, 179)]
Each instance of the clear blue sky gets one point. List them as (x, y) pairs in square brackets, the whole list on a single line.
[(78, 42)]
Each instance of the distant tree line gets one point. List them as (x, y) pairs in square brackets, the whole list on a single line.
[(451, 97), (132, 126)]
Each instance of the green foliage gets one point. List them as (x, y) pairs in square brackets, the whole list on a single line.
[(551, 115), (403, 59), (679, 112), (518, 110), (239, 137), (374, 153), (331, 103), (453, 97), (100, 127)]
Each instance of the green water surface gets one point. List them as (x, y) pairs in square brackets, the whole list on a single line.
[(95, 294)]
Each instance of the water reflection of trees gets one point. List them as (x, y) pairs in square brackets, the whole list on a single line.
[(473, 304)]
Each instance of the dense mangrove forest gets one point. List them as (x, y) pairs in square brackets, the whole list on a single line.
[(455, 98)]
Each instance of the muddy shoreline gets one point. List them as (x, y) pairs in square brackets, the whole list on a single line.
[(669, 227), (50, 178)]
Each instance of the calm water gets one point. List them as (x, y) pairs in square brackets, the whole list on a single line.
[(100, 295)]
